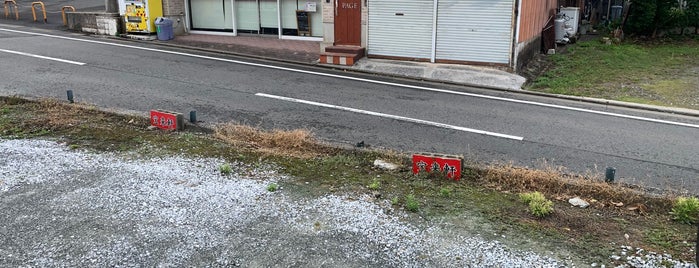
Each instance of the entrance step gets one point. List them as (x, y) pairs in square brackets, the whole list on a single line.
[(342, 55), (346, 49)]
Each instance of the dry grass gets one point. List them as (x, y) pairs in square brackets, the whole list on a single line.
[(56, 115), (556, 184), (297, 143)]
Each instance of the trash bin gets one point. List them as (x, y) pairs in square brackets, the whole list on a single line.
[(163, 27)]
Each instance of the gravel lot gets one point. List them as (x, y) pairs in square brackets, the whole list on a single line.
[(72, 208)]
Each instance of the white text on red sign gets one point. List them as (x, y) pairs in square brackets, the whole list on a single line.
[(350, 5)]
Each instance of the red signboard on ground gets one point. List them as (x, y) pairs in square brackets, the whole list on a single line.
[(450, 166), (166, 120)]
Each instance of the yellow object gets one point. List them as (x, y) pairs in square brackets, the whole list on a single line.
[(63, 13), (140, 15), (11, 3), (43, 10)]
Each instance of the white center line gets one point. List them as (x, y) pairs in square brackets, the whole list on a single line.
[(396, 117), (554, 106), (42, 57)]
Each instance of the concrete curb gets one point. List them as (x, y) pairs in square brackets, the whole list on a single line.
[(209, 50)]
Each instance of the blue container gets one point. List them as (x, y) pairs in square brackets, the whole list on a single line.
[(163, 27)]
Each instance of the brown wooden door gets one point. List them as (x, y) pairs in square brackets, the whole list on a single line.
[(348, 22)]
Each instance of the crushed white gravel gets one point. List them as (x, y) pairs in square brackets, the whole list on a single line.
[(75, 208)]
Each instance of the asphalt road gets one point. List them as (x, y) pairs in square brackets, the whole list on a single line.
[(534, 133)]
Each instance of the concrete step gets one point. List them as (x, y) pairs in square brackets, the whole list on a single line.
[(346, 49), (339, 58)]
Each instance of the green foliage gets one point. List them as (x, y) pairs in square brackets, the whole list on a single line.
[(539, 206), (685, 210), (394, 201), (272, 187), (445, 192), (411, 203), (375, 185), (225, 169), (646, 17)]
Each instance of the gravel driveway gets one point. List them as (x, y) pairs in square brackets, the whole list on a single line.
[(73, 208), (66, 207)]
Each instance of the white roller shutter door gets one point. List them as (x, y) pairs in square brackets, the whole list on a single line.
[(475, 31), (400, 28)]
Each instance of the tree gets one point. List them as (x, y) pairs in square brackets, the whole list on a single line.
[(648, 17)]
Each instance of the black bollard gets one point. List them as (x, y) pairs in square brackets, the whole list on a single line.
[(609, 175), (193, 116), (70, 96)]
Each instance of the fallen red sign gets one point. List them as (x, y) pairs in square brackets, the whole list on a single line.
[(166, 120), (450, 166)]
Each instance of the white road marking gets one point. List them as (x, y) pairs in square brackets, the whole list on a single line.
[(370, 80), (42, 57), (396, 117)]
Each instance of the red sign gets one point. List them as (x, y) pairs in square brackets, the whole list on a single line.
[(450, 166), (165, 120)]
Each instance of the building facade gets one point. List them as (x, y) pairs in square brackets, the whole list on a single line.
[(501, 33)]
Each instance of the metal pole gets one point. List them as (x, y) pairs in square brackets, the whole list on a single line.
[(435, 7)]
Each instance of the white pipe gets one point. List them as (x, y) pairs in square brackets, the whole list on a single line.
[(235, 24), (435, 6), (279, 19), (516, 41), (187, 27)]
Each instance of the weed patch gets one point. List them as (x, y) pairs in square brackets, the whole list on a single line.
[(653, 73), (411, 203), (272, 187), (298, 143), (539, 206), (685, 210), (225, 169)]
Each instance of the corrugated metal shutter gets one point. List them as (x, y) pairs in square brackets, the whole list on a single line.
[(400, 28), (475, 31)]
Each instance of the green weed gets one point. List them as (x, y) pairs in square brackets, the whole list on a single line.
[(375, 185), (411, 203), (685, 210), (272, 187), (539, 206), (445, 192), (225, 169)]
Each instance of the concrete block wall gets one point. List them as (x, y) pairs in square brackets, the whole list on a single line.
[(175, 10), (95, 22)]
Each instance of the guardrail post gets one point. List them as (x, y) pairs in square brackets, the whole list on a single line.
[(43, 10), (7, 11), (63, 13)]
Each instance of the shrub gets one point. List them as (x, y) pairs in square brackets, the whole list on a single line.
[(539, 206), (685, 210)]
